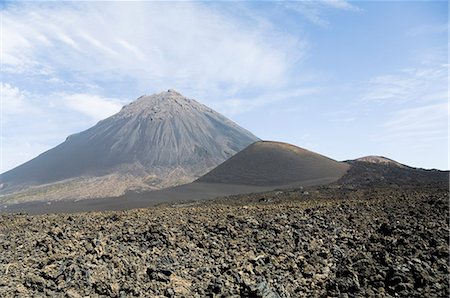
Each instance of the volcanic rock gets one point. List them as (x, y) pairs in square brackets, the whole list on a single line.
[(295, 246)]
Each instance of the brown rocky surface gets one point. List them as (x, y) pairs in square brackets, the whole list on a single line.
[(327, 241)]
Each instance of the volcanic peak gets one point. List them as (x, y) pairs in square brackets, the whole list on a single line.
[(161, 105), (380, 160), (274, 145)]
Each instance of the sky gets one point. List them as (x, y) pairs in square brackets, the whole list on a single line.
[(344, 79)]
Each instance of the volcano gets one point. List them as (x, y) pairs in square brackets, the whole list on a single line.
[(268, 163), (157, 141)]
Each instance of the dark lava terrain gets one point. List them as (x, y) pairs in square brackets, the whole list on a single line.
[(325, 241)]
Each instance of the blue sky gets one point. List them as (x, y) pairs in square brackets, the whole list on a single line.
[(344, 79)]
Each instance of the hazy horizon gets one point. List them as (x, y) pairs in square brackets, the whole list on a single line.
[(344, 79)]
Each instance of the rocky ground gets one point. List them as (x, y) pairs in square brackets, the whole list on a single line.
[(329, 241)]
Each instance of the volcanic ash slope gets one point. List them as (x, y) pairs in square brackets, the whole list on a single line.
[(267, 163), (155, 142)]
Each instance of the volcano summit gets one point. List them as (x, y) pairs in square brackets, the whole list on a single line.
[(155, 142)]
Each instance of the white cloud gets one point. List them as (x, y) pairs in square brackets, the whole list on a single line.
[(234, 106), (153, 43), (415, 101), (32, 123), (12, 99), (421, 124), (424, 83), (12, 102), (16, 150), (422, 133), (16, 103), (94, 106), (316, 11), (341, 4), (428, 29)]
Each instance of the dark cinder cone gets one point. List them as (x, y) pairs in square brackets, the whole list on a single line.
[(268, 163)]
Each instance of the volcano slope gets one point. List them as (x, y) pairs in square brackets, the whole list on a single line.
[(262, 166), (267, 163), (155, 142), (377, 235)]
